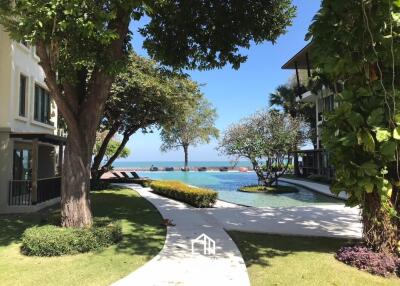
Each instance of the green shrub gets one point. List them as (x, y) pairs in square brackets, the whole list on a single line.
[(272, 189), (51, 240), (197, 197), (143, 182)]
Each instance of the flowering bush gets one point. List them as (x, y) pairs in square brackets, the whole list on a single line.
[(368, 260)]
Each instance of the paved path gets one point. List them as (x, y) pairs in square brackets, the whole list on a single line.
[(175, 264), (319, 220), (320, 188)]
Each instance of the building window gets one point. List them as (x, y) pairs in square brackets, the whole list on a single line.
[(22, 95), (22, 167), (42, 112)]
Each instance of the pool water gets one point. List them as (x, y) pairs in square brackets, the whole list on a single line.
[(227, 183)]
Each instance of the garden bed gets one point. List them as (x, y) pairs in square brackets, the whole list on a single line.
[(269, 190)]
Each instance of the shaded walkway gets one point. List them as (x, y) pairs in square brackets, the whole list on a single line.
[(318, 220), (175, 264)]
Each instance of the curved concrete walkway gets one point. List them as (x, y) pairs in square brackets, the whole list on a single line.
[(175, 264), (316, 187)]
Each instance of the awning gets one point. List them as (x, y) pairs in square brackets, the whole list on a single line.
[(42, 137), (301, 59)]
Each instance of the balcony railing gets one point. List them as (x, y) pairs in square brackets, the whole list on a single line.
[(48, 189), (20, 191)]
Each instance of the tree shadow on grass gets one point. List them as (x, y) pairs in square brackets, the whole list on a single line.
[(12, 226), (143, 232), (260, 248)]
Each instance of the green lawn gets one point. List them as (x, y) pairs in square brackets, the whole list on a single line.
[(290, 260), (143, 239)]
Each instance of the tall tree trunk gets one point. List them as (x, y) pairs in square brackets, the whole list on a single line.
[(121, 147), (81, 101), (75, 201), (259, 173), (98, 158), (186, 151), (380, 229)]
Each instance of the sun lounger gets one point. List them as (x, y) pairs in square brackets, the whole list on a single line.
[(135, 175), (116, 175), (125, 175)]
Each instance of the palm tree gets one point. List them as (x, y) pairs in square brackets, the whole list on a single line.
[(285, 97)]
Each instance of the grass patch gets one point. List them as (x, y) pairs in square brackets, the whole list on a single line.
[(143, 238), (272, 189), (197, 197), (291, 260)]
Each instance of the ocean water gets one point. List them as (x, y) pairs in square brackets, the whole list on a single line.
[(227, 183), (179, 164)]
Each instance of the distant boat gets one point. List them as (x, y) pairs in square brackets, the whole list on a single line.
[(202, 169), (223, 169), (153, 169), (169, 169)]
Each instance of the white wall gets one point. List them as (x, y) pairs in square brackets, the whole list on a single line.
[(16, 59)]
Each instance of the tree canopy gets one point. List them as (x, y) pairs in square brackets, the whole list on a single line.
[(357, 47), (266, 139), (285, 97), (195, 125), (82, 45), (112, 147), (144, 95)]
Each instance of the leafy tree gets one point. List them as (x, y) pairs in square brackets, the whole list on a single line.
[(357, 47), (266, 139), (285, 96), (194, 126), (143, 96), (112, 147), (83, 44)]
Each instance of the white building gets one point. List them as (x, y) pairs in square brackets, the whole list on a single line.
[(315, 161), (29, 145)]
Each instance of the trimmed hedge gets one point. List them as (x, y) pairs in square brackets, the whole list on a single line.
[(272, 189), (51, 240), (197, 197)]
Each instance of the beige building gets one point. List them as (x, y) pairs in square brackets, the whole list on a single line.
[(29, 145)]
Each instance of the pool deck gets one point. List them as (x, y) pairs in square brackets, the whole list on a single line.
[(316, 187), (176, 265)]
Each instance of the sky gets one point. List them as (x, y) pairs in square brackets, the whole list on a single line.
[(234, 93)]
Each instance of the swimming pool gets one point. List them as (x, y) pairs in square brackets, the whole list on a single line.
[(227, 183)]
